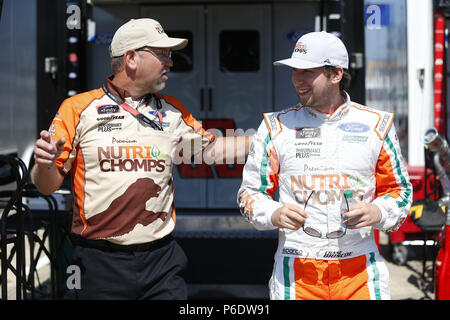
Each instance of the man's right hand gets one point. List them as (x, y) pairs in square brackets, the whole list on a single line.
[(46, 150), (45, 175), (289, 216)]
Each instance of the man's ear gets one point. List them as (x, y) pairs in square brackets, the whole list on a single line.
[(130, 59), (337, 75)]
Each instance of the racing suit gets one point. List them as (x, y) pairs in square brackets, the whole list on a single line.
[(305, 153)]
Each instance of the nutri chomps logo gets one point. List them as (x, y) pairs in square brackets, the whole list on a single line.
[(328, 187), (131, 158)]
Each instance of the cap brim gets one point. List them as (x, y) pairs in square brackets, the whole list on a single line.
[(297, 63), (171, 43)]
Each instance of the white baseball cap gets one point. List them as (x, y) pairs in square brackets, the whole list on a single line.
[(138, 33), (317, 49)]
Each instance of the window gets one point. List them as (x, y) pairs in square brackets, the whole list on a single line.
[(182, 59), (239, 51)]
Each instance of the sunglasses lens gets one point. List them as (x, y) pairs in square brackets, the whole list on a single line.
[(336, 234), (312, 232)]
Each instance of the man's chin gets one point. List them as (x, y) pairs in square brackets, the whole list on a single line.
[(159, 87), (305, 102)]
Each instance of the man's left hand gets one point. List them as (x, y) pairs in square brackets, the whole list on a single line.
[(362, 215)]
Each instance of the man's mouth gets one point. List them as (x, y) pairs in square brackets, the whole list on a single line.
[(164, 75), (303, 92)]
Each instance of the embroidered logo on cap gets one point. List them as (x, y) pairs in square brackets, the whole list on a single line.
[(159, 28), (301, 48)]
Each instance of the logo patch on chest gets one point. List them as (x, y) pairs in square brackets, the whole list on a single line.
[(354, 127), (307, 133), (108, 108)]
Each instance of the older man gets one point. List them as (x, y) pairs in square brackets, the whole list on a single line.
[(120, 154)]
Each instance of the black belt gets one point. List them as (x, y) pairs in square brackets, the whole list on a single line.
[(110, 246)]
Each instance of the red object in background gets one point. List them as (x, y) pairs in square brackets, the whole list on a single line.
[(442, 270), (409, 229), (439, 72), (73, 57), (376, 234)]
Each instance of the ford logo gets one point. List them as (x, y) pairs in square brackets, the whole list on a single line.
[(354, 127)]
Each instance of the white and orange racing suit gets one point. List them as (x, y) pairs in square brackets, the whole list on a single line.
[(305, 153)]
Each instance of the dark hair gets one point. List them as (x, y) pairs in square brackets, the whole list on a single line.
[(346, 77)]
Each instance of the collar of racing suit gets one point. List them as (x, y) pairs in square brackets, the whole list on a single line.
[(118, 92), (340, 112)]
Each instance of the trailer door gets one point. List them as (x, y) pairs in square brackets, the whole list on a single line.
[(239, 61), (186, 83), (223, 77)]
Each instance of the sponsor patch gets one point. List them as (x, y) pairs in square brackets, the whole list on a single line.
[(306, 153), (354, 127), (108, 108), (301, 48), (292, 251), (111, 117), (155, 113), (273, 124), (52, 130), (108, 127), (307, 133), (337, 254), (131, 158), (355, 139), (384, 123), (159, 29), (251, 151), (310, 143)]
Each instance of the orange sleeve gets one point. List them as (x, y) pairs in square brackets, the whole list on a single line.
[(66, 120)]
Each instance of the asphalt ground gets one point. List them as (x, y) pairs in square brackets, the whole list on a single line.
[(413, 280), (408, 282)]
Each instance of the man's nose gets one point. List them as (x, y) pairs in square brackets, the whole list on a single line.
[(298, 78), (168, 62)]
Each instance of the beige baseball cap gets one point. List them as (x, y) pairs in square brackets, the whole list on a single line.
[(138, 33)]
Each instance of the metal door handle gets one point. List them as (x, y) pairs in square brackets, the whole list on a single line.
[(202, 102), (210, 99)]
